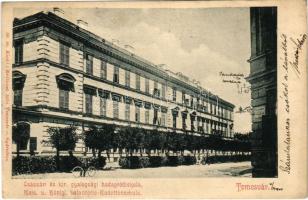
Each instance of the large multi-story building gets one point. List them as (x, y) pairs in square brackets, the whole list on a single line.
[(65, 75), (263, 80)]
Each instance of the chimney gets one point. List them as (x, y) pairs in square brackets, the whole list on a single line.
[(82, 24), (58, 11)]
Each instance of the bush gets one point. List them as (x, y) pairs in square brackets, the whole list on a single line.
[(189, 160), (144, 162), (164, 161), (175, 160), (23, 164), (98, 163), (223, 159), (134, 162), (158, 161), (67, 163), (172, 161), (123, 162), (47, 164), (181, 160)]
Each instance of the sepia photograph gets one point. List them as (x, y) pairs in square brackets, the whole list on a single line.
[(98, 92), (107, 99)]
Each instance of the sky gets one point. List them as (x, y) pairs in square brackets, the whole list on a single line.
[(198, 42)]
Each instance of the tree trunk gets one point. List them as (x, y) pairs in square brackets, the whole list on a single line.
[(93, 152), (120, 152), (17, 149), (58, 159), (99, 153), (126, 152), (148, 152), (108, 154)]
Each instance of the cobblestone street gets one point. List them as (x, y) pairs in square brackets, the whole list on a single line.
[(242, 169)]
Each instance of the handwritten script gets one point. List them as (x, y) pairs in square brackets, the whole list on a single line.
[(285, 162), (237, 79), (298, 44), (291, 49)]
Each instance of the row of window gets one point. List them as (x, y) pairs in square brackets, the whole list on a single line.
[(116, 99), (64, 91), (198, 104), (64, 60), (204, 126), (64, 57), (156, 121), (202, 105), (64, 104), (115, 103)]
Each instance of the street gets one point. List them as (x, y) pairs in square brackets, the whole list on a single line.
[(238, 169)]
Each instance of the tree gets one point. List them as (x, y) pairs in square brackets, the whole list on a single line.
[(131, 139), (154, 140), (159, 140), (20, 135), (107, 138), (62, 139), (180, 142), (148, 141), (101, 139), (189, 142), (91, 139), (170, 141), (139, 139), (120, 139), (195, 143)]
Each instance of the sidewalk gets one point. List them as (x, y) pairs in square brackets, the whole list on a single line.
[(239, 169)]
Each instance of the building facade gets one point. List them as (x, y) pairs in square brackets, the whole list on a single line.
[(65, 75), (263, 80)]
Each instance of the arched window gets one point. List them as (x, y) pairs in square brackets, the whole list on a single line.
[(18, 85), (65, 84)]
